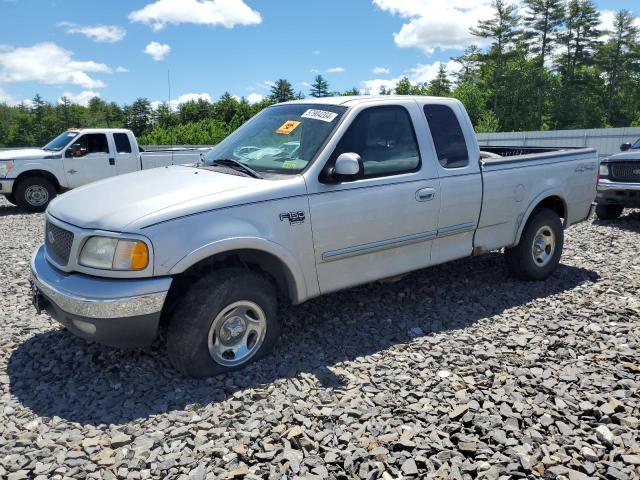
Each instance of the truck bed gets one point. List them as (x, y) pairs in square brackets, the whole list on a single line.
[(521, 177)]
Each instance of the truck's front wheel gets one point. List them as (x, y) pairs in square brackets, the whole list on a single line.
[(226, 320), (538, 253), (33, 194), (608, 212)]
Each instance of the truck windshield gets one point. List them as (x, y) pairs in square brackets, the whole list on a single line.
[(60, 141), (279, 139)]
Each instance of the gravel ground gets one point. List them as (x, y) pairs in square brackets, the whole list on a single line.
[(453, 372)]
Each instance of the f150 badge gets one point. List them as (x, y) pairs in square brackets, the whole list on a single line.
[(295, 218)]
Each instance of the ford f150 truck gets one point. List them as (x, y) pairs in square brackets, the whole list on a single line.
[(31, 178), (306, 198), (619, 182)]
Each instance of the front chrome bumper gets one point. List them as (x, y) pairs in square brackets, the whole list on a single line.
[(120, 312), (6, 186), (605, 185)]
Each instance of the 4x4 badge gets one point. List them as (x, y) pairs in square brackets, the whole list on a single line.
[(294, 218)]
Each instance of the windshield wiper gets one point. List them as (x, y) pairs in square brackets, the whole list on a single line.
[(236, 165)]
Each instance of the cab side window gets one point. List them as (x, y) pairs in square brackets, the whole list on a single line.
[(90, 143), (385, 140), (447, 136), (123, 145)]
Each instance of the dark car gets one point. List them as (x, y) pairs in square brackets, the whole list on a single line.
[(619, 182)]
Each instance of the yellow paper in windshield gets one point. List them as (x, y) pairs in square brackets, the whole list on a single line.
[(289, 164), (287, 127)]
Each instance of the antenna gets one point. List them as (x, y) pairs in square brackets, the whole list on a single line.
[(169, 105)]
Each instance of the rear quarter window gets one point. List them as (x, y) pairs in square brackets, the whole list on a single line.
[(447, 135)]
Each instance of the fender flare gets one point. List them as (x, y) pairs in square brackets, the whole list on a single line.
[(524, 217), (299, 291)]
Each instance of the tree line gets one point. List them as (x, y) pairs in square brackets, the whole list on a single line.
[(547, 66)]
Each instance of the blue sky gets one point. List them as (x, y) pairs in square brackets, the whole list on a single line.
[(121, 50)]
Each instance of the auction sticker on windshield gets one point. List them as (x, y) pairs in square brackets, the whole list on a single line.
[(287, 127), (319, 115)]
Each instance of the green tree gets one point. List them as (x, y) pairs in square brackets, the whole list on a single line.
[(543, 19), (441, 85), (502, 30), (319, 87), (138, 116), (282, 91)]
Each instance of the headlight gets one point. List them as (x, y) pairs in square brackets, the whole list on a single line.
[(5, 167), (604, 170), (114, 254)]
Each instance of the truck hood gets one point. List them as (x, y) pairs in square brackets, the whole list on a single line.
[(155, 195), (25, 154), (625, 156)]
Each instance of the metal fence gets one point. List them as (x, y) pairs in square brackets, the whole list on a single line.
[(606, 140)]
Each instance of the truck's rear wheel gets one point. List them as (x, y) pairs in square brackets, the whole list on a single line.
[(226, 320), (33, 194), (608, 212), (538, 253)]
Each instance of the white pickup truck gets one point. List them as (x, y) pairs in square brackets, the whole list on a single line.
[(32, 177), (306, 198)]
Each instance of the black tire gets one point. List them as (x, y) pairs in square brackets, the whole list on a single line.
[(543, 225), (207, 299), (33, 194), (11, 199), (608, 212)]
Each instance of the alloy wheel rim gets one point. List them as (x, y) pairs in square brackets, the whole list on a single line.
[(237, 333), (544, 246), (36, 195)]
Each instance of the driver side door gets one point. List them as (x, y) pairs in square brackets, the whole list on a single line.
[(89, 159), (384, 222)]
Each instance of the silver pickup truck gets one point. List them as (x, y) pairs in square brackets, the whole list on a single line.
[(306, 198)]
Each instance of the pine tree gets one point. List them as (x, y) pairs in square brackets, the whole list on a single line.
[(441, 85), (320, 87), (501, 28), (543, 19), (616, 59), (282, 91)]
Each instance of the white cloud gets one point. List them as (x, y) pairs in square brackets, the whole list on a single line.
[(98, 33), (380, 71), (227, 13), (49, 64), (81, 98), (254, 98), (305, 84), (157, 51), (7, 98), (316, 52), (433, 24), (187, 97), (421, 73), (335, 70), (121, 69)]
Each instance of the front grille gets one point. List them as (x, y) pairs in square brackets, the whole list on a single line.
[(625, 170), (58, 243)]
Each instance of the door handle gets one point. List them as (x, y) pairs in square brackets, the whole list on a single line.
[(72, 171), (112, 161), (425, 194)]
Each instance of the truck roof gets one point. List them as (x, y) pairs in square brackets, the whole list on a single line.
[(350, 101), (99, 130)]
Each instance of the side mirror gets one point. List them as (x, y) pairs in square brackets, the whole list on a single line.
[(625, 146), (348, 167), (68, 153)]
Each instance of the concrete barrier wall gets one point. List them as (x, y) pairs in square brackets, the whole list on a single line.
[(606, 140)]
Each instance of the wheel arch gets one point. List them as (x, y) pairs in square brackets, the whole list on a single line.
[(253, 254), (38, 173), (553, 201)]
